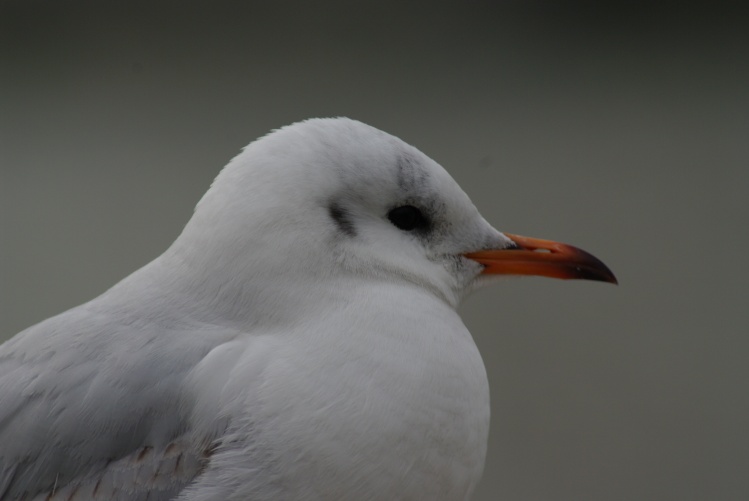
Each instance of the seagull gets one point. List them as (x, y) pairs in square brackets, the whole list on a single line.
[(298, 341)]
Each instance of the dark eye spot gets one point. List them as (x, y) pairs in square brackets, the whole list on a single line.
[(408, 218)]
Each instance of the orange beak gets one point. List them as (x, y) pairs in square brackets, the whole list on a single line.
[(546, 258)]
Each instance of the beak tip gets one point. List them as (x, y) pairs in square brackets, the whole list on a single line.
[(613, 280), (593, 269), (602, 276)]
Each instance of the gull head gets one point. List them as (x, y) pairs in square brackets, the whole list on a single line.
[(334, 199)]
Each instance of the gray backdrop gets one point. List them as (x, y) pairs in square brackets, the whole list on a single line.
[(624, 131)]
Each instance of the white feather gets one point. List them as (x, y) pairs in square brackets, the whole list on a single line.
[(273, 351)]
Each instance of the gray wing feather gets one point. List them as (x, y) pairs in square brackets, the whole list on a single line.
[(146, 474), (94, 408)]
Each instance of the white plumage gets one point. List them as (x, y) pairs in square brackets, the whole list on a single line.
[(298, 341)]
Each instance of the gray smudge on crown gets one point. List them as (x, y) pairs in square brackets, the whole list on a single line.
[(411, 175), (412, 178)]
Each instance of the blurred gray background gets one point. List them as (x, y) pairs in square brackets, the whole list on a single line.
[(623, 130)]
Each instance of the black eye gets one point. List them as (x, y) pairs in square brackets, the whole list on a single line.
[(408, 218)]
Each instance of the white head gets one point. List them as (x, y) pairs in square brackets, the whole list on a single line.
[(328, 197)]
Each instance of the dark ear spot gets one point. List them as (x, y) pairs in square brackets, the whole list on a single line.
[(342, 219)]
